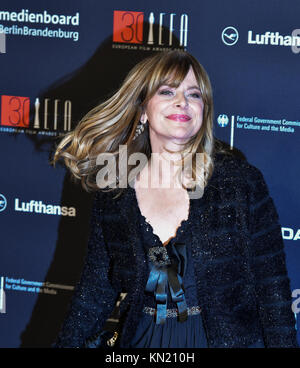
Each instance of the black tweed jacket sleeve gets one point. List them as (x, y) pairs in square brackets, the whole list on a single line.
[(94, 296), (269, 266)]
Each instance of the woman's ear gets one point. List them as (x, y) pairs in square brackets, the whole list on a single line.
[(144, 118)]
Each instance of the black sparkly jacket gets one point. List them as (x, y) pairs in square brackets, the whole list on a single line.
[(238, 254)]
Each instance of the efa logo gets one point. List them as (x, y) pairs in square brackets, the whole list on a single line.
[(128, 26), (55, 115), (138, 28), (15, 111)]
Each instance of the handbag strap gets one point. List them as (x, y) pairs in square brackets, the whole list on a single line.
[(113, 324)]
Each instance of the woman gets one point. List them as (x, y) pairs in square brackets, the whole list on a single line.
[(196, 247)]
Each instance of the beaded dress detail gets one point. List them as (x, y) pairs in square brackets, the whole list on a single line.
[(171, 315)]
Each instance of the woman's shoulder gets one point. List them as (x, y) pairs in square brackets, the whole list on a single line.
[(113, 200), (235, 173), (234, 165)]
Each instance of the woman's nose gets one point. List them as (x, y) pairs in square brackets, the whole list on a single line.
[(181, 100)]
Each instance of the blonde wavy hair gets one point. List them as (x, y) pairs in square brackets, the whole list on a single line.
[(114, 122)]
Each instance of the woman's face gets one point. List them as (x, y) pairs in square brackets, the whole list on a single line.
[(175, 114)]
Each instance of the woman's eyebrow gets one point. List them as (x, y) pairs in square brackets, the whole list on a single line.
[(191, 87), (194, 87)]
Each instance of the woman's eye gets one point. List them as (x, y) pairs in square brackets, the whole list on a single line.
[(195, 95), (166, 92)]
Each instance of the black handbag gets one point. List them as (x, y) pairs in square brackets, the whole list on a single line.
[(104, 339), (109, 337)]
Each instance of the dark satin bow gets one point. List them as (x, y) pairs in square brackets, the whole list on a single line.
[(168, 270)]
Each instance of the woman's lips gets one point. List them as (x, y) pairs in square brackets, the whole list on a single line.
[(179, 117)]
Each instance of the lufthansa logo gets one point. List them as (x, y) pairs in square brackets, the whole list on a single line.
[(230, 36), (223, 120), (3, 202)]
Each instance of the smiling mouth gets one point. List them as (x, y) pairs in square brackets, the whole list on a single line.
[(179, 117)]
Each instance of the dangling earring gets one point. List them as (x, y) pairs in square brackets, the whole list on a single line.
[(139, 129)]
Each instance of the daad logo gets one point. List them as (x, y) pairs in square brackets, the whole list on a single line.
[(223, 120), (230, 36), (290, 234), (3, 203)]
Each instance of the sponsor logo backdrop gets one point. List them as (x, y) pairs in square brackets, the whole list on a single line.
[(59, 59)]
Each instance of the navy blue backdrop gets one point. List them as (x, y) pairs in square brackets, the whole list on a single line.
[(60, 58)]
